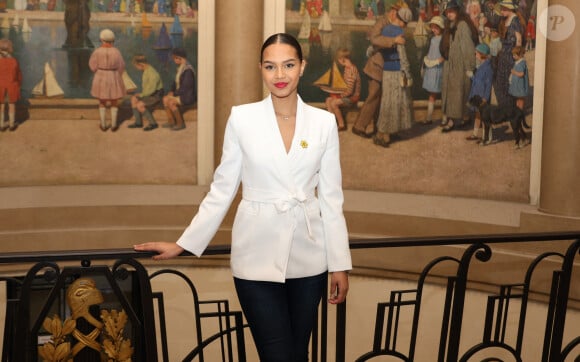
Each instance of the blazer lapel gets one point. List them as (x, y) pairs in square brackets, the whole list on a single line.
[(298, 131)]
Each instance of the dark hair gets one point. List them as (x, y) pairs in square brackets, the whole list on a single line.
[(282, 38), (179, 52), (139, 59)]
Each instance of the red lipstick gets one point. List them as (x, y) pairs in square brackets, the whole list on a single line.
[(280, 84)]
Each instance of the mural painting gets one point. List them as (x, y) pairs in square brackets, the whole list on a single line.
[(122, 67), (430, 143), (450, 109)]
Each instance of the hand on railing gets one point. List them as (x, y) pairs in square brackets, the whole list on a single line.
[(165, 250)]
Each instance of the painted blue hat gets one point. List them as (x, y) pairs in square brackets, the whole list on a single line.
[(482, 48)]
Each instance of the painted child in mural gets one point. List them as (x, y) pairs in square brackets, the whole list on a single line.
[(348, 97), (151, 94), (433, 66), (108, 65), (183, 91), (494, 47), (10, 82), (519, 80), (480, 85), (531, 33)]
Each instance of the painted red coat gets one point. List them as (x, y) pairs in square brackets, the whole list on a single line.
[(10, 79)]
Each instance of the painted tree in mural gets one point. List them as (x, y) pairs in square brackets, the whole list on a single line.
[(76, 18)]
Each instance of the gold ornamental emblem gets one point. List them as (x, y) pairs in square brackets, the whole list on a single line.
[(107, 337)]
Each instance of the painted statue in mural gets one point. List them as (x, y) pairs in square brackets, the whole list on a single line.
[(77, 15)]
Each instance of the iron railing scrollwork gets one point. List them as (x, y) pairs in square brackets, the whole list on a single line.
[(496, 314), (127, 288)]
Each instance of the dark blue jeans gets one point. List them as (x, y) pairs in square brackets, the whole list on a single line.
[(281, 316)]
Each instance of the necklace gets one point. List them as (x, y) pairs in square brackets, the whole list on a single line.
[(284, 117)]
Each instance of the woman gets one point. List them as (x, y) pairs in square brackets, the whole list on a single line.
[(510, 31), (183, 91), (289, 229), (396, 113), (108, 65), (458, 49)]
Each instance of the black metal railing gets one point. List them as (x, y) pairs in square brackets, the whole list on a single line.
[(126, 286)]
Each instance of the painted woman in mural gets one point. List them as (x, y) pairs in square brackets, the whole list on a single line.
[(396, 112), (458, 48), (77, 16), (511, 31), (364, 125)]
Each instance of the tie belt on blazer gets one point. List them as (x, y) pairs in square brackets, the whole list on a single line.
[(283, 203)]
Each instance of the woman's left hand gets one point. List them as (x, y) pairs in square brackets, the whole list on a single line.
[(338, 287)]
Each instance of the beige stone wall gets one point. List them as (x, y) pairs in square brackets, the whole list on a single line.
[(103, 217)]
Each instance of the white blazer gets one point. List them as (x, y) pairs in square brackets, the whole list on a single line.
[(289, 223)]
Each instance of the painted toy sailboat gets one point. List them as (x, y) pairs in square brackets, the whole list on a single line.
[(137, 7), (420, 35), (25, 27), (324, 24), (16, 21), (176, 26), (420, 28), (48, 86), (331, 81), (130, 86), (144, 21), (163, 41), (305, 27)]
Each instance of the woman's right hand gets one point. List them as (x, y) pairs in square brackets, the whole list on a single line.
[(165, 250)]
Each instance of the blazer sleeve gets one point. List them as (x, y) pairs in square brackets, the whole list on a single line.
[(216, 203), (331, 200)]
